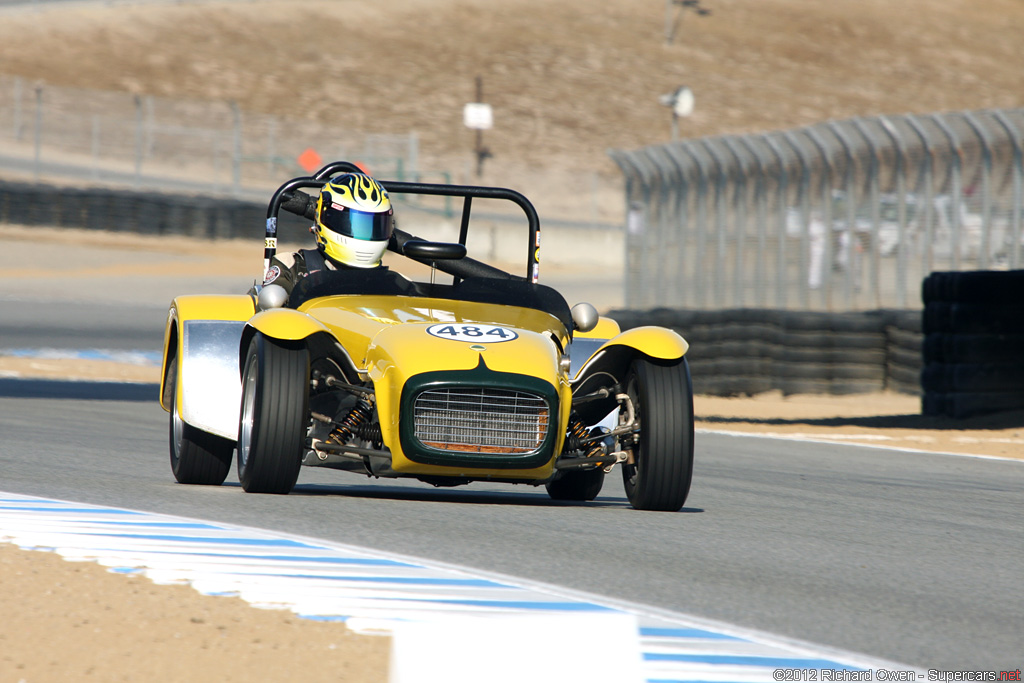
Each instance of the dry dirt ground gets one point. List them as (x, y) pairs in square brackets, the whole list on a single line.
[(567, 80)]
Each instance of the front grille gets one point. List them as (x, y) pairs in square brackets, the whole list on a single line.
[(481, 420)]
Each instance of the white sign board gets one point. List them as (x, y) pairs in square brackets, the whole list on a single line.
[(683, 105), (478, 116)]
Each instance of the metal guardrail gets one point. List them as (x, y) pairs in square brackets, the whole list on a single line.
[(843, 215)]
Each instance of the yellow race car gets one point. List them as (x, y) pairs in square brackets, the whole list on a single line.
[(488, 376)]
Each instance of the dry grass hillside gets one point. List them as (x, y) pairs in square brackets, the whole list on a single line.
[(567, 79)]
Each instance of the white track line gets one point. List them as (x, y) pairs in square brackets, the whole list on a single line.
[(845, 440)]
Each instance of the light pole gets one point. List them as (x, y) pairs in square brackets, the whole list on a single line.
[(479, 117), (672, 18)]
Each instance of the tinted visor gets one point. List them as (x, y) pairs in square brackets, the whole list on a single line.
[(361, 225)]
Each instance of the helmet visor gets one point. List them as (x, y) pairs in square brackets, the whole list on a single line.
[(361, 225)]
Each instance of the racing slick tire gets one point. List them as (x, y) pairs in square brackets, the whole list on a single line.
[(197, 457), (581, 485), (662, 396), (274, 413)]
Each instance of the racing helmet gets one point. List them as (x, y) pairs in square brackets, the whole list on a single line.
[(353, 220)]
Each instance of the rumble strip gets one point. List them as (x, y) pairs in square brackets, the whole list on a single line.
[(413, 599)]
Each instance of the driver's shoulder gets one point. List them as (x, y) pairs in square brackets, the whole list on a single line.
[(286, 260)]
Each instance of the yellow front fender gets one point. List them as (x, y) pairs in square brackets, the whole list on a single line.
[(614, 356), (286, 324), (655, 342), (238, 307)]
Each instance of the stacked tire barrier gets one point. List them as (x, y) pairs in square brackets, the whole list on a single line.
[(144, 213), (751, 351), (974, 343)]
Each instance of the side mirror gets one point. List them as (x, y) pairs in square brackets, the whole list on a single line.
[(584, 317), (271, 296)]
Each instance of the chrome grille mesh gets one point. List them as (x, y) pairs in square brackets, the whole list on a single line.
[(481, 420)]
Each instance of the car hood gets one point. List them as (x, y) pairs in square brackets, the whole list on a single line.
[(423, 333)]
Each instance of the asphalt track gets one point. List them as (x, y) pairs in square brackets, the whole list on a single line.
[(911, 557)]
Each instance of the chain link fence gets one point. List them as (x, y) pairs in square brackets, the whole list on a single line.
[(147, 142), (839, 216)]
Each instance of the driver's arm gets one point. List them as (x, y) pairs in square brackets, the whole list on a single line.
[(286, 270)]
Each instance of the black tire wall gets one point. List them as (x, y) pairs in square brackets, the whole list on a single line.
[(974, 343), (751, 351), (145, 213)]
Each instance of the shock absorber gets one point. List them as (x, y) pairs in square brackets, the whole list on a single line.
[(355, 423), (576, 434)]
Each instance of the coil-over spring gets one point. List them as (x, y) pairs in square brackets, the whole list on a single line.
[(577, 433), (356, 423)]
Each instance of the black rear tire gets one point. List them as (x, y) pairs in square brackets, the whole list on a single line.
[(662, 396), (274, 416), (197, 457), (580, 485)]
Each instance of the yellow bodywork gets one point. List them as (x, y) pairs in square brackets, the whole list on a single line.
[(386, 339), (606, 328), (655, 342)]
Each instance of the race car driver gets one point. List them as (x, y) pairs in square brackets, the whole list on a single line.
[(354, 221)]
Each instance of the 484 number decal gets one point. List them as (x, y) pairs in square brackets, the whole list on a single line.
[(478, 334)]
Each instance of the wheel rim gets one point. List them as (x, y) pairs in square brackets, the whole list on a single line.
[(248, 412), (630, 473), (178, 434)]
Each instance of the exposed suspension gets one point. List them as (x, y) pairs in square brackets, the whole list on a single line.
[(577, 437), (356, 423)]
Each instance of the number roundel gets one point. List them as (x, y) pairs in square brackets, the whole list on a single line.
[(475, 333)]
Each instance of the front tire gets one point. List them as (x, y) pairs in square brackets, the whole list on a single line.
[(274, 416), (197, 457), (662, 395)]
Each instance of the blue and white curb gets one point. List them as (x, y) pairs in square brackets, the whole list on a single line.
[(146, 358), (376, 592)]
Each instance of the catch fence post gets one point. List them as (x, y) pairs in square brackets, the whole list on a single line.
[(661, 252), (874, 192), (682, 230), (986, 188), (761, 218), (901, 210), (703, 179), (782, 183), (805, 217), (720, 190), (828, 226), (956, 181), (739, 195), (928, 173), (849, 235), (1014, 136)]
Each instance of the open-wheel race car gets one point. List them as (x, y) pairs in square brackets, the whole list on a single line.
[(488, 376)]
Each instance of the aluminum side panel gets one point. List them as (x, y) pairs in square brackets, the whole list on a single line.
[(211, 387)]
